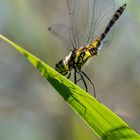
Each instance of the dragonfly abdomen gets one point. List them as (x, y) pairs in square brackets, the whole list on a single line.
[(95, 45), (115, 17)]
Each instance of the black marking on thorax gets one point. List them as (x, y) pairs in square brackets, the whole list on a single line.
[(80, 60), (77, 59)]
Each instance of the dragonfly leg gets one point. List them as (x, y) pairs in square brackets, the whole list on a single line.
[(69, 75), (82, 78), (75, 77), (79, 79), (93, 85)]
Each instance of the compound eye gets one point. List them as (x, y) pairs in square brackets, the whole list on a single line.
[(60, 62), (56, 66)]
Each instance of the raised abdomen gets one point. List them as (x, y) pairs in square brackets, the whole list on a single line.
[(94, 46)]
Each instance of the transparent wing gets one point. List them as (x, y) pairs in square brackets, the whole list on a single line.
[(87, 20), (61, 31), (99, 14)]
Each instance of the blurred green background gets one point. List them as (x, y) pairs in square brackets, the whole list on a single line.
[(29, 107)]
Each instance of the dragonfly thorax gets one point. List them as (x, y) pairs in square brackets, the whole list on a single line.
[(75, 60)]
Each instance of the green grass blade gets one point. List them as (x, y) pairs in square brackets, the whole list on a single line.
[(101, 120)]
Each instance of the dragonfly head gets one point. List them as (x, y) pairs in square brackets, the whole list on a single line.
[(61, 67)]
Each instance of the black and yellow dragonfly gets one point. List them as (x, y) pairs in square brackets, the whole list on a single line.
[(89, 23)]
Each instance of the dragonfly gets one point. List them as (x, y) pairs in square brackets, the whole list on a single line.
[(89, 22)]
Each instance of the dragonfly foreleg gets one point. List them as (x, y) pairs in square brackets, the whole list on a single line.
[(75, 77), (69, 75)]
